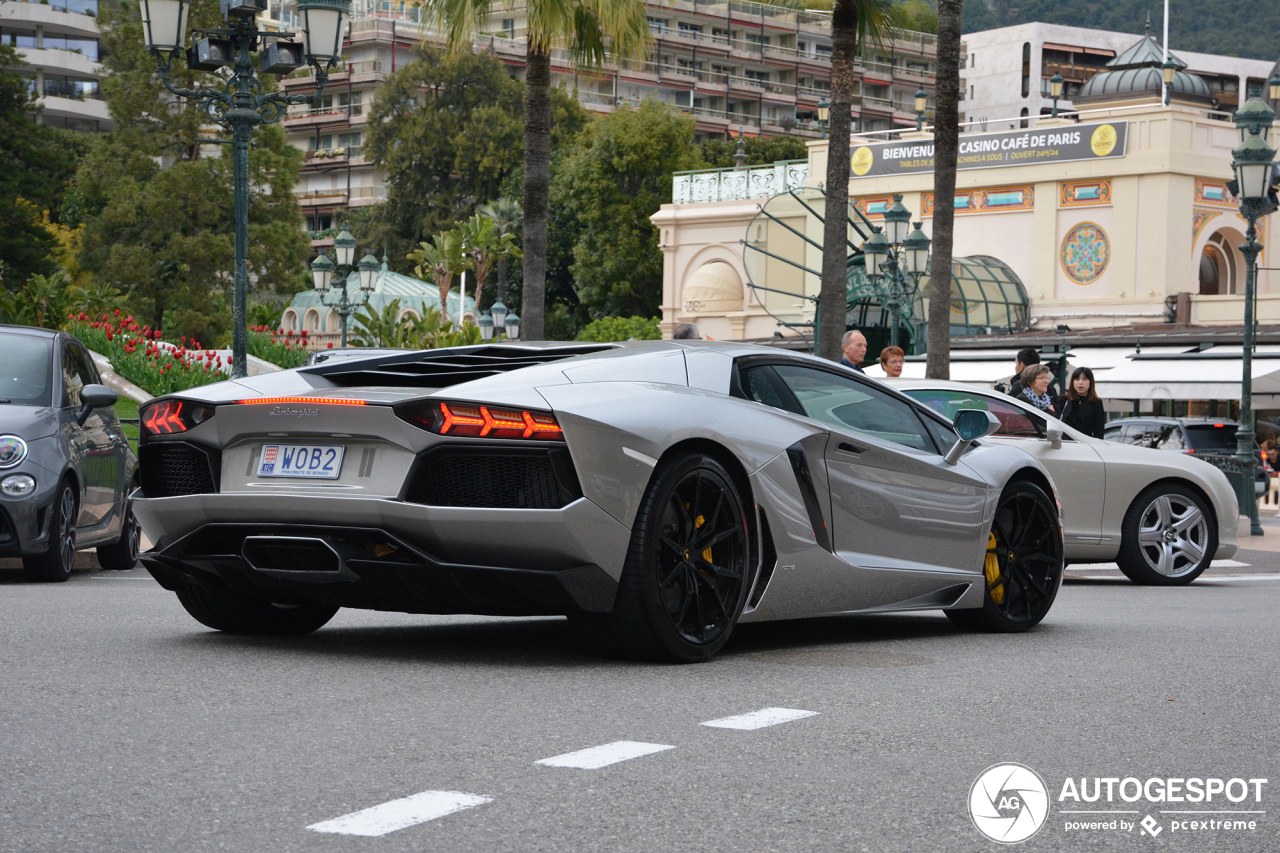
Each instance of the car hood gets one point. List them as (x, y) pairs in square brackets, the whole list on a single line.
[(28, 422)]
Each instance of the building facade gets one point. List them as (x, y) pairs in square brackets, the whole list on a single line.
[(1006, 71), (736, 67), (59, 40)]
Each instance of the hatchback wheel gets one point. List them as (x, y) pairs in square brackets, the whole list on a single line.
[(121, 556), (54, 565)]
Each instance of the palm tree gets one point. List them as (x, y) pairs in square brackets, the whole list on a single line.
[(441, 259), (588, 29), (946, 148), (853, 23), (507, 215), (485, 244)]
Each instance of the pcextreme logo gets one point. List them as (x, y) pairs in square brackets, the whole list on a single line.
[(1008, 803)]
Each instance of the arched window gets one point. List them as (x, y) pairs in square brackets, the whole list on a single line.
[(290, 320), (1210, 271), (1024, 117), (1026, 70)]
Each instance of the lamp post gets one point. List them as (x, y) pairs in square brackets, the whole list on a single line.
[(1274, 85), (1168, 69), (1254, 168), (241, 105), (897, 251), (1055, 91), (922, 101), (322, 270), (824, 113), (497, 322)]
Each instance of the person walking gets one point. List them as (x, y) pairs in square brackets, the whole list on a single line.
[(1081, 408), (854, 346), (892, 360), (1035, 388)]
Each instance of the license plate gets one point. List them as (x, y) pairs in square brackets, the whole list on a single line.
[(312, 461)]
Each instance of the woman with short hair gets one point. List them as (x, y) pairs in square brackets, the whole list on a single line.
[(1081, 408), (891, 361), (1035, 387)]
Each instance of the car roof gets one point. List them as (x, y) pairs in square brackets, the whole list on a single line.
[(29, 331)]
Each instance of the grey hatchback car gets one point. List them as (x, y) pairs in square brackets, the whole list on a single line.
[(66, 468)]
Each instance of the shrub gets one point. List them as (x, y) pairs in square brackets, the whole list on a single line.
[(608, 329)]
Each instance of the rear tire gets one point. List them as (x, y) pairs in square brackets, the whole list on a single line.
[(242, 614), (1023, 568), (54, 565), (122, 556), (1168, 537), (686, 576)]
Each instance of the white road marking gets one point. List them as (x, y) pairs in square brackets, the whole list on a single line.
[(1233, 578), (400, 814), (596, 757), (1216, 564), (109, 578), (760, 719)]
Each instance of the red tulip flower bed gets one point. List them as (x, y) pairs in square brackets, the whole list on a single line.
[(141, 355), (278, 346)]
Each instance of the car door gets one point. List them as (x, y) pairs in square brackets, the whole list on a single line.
[(1077, 469), (111, 443), (91, 452), (904, 520)]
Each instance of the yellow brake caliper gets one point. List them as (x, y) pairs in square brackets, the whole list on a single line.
[(992, 568), (706, 555)]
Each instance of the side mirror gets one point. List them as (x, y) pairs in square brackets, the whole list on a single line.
[(94, 397), (1054, 434), (970, 425)]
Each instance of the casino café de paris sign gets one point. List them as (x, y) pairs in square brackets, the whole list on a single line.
[(996, 150)]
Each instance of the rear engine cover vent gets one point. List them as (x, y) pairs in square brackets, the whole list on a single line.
[(495, 478), (173, 469), (443, 368)]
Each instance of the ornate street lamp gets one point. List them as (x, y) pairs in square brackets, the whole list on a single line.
[(322, 271), (513, 326), (915, 251), (1274, 86), (876, 251), (486, 326), (241, 105), (922, 100), (1055, 91), (824, 113), (1253, 163), (1169, 69), (897, 222)]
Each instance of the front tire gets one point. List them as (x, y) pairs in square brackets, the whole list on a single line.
[(685, 580), (54, 565), (242, 614), (122, 556), (1023, 568), (1168, 537)]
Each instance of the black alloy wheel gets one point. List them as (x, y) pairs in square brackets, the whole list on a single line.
[(54, 565), (687, 571), (122, 555), (1023, 566)]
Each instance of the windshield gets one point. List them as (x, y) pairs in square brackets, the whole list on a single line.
[(1212, 438), (25, 370)]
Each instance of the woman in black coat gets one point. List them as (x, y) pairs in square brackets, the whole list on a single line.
[(1081, 408)]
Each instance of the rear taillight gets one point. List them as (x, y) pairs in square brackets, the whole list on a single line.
[(173, 416), (481, 421)]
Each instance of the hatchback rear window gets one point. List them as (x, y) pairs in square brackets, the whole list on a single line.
[(1211, 438), (25, 370)]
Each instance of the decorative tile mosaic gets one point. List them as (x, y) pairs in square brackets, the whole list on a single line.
[(1079, 193), (990, 200), (1213, 192), (1085, 253)]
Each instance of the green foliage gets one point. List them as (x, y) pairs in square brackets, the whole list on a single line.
[(486, 244), (608, 329), (158, 219), (51, 301), (920, 16), (1224, 27), (284, 349), (38, 162), (441, 259), (614, 180), (760, 151), (386, 328)]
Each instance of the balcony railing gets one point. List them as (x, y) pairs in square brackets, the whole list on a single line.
[(738, 184), (79, 7)]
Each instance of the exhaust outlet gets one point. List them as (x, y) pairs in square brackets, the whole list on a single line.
[(296, 558)]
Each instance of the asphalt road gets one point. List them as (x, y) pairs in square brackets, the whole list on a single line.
[(127, 726)]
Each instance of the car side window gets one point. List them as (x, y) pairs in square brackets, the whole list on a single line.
[(849, 404), (1170, 438), (758, 385), (88, 371), (1014, 421), (72, 381), (1140, 434)]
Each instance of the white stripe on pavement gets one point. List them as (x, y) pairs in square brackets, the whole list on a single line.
[(402, 813), (760, 719), (596, 757), (1234, 578), (1216, 564)]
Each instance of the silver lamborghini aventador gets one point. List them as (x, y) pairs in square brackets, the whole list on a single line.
[(655, 492)]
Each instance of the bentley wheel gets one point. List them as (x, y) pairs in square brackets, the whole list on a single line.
[(685, 580), (121, 556), (234, 613), (1168, 537), (1023, 566), (54, 565)]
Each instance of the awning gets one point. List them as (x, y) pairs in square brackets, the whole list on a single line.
[(1212, 375)]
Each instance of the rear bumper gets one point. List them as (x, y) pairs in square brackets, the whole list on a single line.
[(444, 560)]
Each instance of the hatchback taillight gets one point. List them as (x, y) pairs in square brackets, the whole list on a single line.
[(481, 421), (173, 416)]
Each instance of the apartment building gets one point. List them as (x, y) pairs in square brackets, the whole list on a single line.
[(737, 67), (59, 40), (1006, 71)]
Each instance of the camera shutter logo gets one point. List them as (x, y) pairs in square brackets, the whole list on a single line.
[(1008, 803)]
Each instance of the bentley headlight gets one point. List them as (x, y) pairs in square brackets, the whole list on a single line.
[(12, 450), (18, 485)]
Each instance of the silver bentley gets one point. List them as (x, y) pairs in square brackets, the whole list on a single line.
[(655, 492)]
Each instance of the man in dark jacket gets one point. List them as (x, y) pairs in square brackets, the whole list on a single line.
[(1024, 359), (854, 346)]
